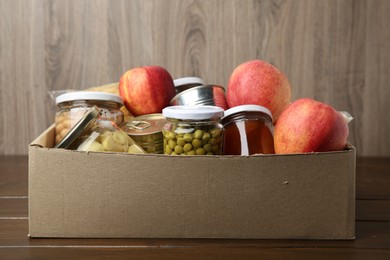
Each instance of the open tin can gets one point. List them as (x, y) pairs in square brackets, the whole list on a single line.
[(146, 131), (187, 83), (208, 95)]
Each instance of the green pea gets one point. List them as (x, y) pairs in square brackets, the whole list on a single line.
[(200, 151), (179, 149), (180, 141), (206, 137), (172, 144), (168, 149), (188, 138), (173, 153), (187, 147), (171, 135), (213, 141), (198, 134), (192, 152), (215, 133), (196, 143), (207, 147)]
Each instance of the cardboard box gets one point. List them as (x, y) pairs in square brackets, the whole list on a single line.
[(111, 195)]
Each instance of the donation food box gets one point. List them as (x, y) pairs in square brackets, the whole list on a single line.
[(117, 195)]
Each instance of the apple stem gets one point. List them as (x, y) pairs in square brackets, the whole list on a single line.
[(347, 116)]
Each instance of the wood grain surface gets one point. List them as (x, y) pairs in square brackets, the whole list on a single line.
[(337, 52)]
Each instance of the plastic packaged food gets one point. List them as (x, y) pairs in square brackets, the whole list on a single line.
[(72, 106), (146, 130), (187, 83), (248, 130), (193, 130), (96, 134), (209, 95)]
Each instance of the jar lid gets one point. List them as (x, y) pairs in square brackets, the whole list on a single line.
[(193, 112), (199, 95), (145, 124), (88, 95), (188, 80), (248, 108), (79, 128)]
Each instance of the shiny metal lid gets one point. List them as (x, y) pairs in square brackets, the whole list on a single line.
[(78, 129), (145, 124)]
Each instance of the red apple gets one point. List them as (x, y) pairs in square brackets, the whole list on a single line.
[(146, 90), (258, 82), (310, 126)]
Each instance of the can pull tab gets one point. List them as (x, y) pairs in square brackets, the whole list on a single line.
[(139, 125)]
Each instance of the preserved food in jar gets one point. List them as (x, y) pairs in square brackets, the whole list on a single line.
[(72, 106), (193, 130), (248, 130), (93, 133)]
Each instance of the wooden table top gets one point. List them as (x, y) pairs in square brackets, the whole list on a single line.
[(372, 228)]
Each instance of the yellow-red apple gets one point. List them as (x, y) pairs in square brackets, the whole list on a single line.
[(258, 82), (308, 126), (146, 90)]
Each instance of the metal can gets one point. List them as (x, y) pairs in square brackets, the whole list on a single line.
[(146, 130), (209, 95), (187, 83)]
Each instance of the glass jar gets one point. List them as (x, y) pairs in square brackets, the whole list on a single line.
[(193, 130), (248, 130), (94, 133), (72, 106), (146, 130)]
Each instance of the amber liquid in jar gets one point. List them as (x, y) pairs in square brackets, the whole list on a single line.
[(248, 132)]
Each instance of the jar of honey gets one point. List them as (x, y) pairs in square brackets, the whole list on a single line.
[(248, 130)]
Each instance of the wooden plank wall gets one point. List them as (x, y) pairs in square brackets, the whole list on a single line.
[(336, 51)]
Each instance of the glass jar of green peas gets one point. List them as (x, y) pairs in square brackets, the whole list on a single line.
[(193, 130)]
